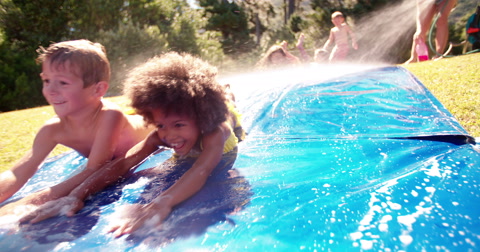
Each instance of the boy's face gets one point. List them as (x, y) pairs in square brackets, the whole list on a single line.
[(177, 131), (63, 89), (338, 20)]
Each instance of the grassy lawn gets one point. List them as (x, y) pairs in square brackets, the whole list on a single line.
[(454, 81)]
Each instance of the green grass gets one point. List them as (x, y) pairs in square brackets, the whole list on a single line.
[(454, 81), (18, 129)]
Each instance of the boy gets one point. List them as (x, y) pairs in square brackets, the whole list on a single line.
[(75, 76), (339, 35)]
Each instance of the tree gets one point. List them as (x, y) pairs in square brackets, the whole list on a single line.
[(231, 21), (25, 26), (260, 12), (88, 17)]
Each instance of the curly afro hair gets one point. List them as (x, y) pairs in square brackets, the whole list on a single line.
[(179, 84)]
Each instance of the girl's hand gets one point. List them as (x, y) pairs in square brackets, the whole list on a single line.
[(137, 215), (64, 206)]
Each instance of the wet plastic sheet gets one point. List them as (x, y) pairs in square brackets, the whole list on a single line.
[(365, 160)]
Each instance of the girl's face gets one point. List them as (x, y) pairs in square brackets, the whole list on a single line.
[(179, 132), (64, 90), (277, 58)]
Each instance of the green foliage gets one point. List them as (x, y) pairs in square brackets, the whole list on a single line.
[(87, 17), (20, 85), (33, 23), (295, 23), (132, 31), (211, 48), (231, 21), (129, 45), (183, 33)]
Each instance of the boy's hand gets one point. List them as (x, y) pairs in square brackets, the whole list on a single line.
[(355, 45), (300, 40), (67, 206), (136, 215)]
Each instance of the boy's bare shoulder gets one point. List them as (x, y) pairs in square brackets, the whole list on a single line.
[(53, 123), (110, 106), (111, 111), (51, 129)]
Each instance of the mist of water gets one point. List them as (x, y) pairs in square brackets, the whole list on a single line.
[(386, 34)]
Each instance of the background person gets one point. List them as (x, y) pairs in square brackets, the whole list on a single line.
[(426, 11), (339, 37)]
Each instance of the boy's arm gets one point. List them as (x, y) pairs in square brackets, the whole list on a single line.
[(96, 182), (107, 137), (331, 39), (105, 141), (189, 184), (12, 180), (353, 38)]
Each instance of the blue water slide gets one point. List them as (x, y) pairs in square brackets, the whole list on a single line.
[(337, 158)]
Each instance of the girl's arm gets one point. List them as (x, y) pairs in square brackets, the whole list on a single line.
[(189, 184), (305, 57), (115, 170), (289, 55)]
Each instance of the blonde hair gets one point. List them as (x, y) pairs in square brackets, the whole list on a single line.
[(337, 14), (90, 59)]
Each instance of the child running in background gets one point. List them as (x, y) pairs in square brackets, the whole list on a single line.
[(339, 35), (180, 95), (75, 77)]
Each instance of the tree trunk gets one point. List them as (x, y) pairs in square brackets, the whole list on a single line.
[(257, 28), (291, 8)]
